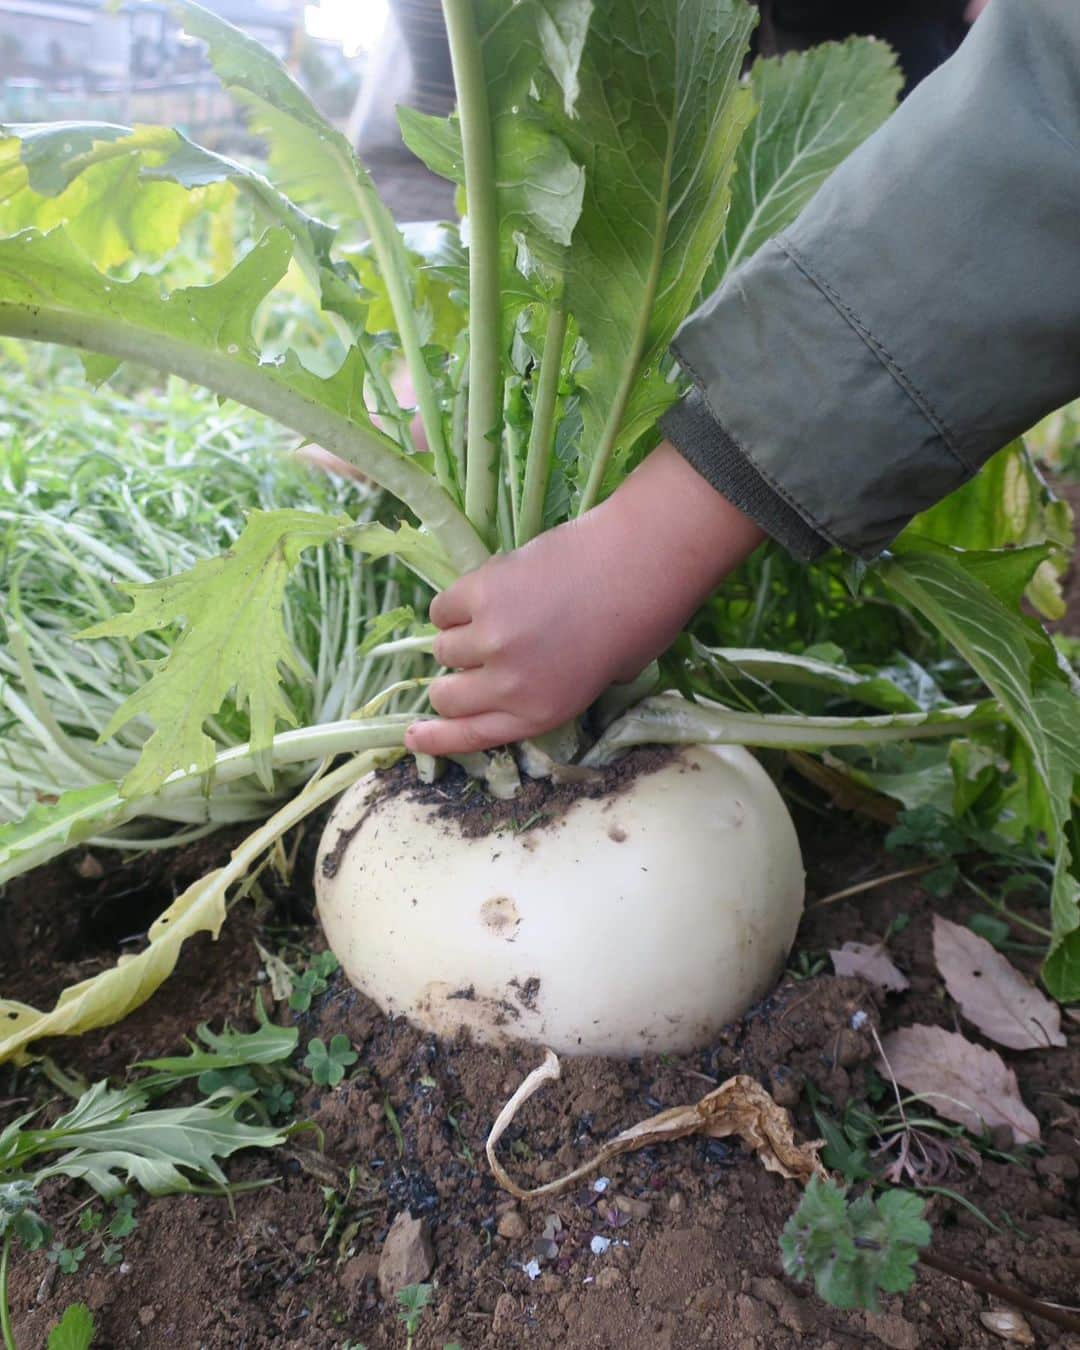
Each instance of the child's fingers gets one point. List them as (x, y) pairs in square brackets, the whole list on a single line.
[(451, 607), (463, 695), (463, 735)]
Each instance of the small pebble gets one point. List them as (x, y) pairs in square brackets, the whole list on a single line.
[(532, 1269), (676, 1202), (512, 1226), (599, 1245), (601, 1184)]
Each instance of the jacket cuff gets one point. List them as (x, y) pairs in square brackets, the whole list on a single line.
[(704, 443), (813, 404)]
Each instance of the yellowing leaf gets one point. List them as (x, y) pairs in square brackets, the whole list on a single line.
[(992, 993), (106, 998), (235, 638), (959, 1080)]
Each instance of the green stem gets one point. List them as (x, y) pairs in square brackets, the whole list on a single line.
[(263, 388), (999, 907), (393, 265), (485, 318), (672, 721), (5, 1315), (110, 811), (541, 434)]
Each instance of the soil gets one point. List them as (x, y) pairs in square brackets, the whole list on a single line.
[(458, 803), (693, 1226)]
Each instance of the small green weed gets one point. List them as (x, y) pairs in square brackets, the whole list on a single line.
[(328, 1063), (852, 1249), (414, 1298)]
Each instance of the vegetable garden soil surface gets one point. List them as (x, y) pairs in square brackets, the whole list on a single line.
[(693, 1262)]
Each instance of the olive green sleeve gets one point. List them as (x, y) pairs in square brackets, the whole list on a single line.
[(921, 312)]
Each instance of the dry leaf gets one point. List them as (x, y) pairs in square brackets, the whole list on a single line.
[(871, 962), (992, 993), (1009, 1325), (739, 1106), (961, 1081)]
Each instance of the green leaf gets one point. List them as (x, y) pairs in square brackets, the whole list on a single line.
[(1007, 505), (813, 109), (124, 192), (659, 116), (234, 638), (111, 1143), (1018, 663), (539, 186), (89, 177), (49, 292), (328, 1063), (418, 548), (75, 816), (229, 1049), (853, 1249)]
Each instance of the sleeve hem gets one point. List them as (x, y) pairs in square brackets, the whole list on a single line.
[(721, 461)]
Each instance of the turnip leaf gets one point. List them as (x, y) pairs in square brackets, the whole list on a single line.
[(958, 592), (659, 116), (231, 608), (813, 108)]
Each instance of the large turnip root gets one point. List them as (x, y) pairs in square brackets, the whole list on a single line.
[(643, 920)]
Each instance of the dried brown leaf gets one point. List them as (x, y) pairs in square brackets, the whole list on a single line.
[(871, 962), (960, 1080), (992, 993), (739, 1106)]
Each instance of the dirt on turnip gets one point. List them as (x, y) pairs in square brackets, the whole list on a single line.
[(692, 1259)]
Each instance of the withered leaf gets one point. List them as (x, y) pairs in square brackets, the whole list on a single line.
[(992, 993), (739, 1106), (871, 962), (959, 1080)]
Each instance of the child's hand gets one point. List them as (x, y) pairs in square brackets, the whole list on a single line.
[(538, 634)]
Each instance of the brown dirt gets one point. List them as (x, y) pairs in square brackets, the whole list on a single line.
[(696, 1264), (458, 802)]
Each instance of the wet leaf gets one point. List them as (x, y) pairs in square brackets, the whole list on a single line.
[(992, 993), (960, 1080), (871, 962), (740, 1106)]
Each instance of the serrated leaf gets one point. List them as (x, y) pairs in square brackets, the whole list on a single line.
[(164, 1150), (853, 1249), (813, 108), (74, 1331), (228, 1049), (234, 639)]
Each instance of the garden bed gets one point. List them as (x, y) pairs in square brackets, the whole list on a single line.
[(693, 1259)]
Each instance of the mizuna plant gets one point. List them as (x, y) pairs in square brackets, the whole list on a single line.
[(612, 163)]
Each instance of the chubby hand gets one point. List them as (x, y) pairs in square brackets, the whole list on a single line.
[(536, 635)]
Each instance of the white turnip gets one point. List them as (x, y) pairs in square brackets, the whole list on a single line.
[(642, 920)]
